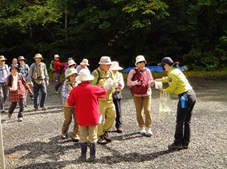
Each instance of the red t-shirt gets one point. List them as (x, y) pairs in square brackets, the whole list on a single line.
[(57, 65)]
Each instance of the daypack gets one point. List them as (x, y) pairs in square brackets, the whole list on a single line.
[(51, 66), (139, 76)]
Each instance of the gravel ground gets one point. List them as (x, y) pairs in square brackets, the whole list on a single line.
[(36, 142)]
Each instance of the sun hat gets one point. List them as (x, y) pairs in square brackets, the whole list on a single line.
[(14, 65), (70, 71), (84, 62), (105, 60), (84, 75), (115, 66), (2, 58), (166, 60), (38, 56), (21, 58), (140, 58), (71, 62), (56, 56)]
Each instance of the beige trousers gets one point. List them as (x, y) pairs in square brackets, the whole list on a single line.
[(88, 133), (143, 104), (68, 114), (107, 109)]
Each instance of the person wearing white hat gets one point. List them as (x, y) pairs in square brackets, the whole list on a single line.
[(83, 65), (117, 95), (58, 68), (103, 76), (85, 99), (71, 64), (39, 80), (68, 85), (4, 69), (140, 81)]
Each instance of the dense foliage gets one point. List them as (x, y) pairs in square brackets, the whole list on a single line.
[(193, 32)]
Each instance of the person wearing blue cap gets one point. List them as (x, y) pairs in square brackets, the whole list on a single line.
[(179, 85)]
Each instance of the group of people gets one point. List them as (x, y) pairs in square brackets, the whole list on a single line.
[(93, 99)]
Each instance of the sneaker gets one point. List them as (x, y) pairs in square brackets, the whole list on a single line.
[(107, 137), (20, 119), (63, 136), (56, 92), (102, 140), (44, 108), (119, 130), (37, 109), (3, 111), (142, 131), (76, 139), (9, 115), (185, 146), (175, 146), (149, 133)]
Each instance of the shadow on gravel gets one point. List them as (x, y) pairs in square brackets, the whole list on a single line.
[(115, 158)]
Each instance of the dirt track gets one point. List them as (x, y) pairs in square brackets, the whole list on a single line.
[(36, 142)]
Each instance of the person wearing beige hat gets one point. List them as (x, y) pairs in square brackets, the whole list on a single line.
[(68, 85), (103, 76), (141, 91), (4, 69), (83, 65), (85, 99), (58, 68), (39, 80), (117, 94)]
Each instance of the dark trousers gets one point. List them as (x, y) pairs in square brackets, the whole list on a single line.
[(58, 80), (183, 120), (117, 104), (42, 88), (13, 106)]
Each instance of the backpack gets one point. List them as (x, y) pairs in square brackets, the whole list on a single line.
[(139, 76), (99, 75), (51, 66)]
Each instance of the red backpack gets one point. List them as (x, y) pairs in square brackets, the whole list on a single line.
[(139, 76)]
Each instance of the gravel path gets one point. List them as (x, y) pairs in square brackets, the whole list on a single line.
[(36, 142)]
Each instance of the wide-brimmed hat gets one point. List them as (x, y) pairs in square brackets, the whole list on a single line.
[(115, 66), (56, 56), (84, 75), (21, 58), (140, 58), (14, 65), (70, 71), (84, 62), (166, 60), (38, 56), (2, 58), (71, 62), (105, 60)]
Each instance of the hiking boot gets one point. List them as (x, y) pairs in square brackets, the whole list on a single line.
[(44, 108), (36, 109), (119, 130), (107, 137), (175, 146), (149, 133), (142, 131), (3, 111), (63, 136), (185, 146), (76, 139), (102, 140), (56, 92), (9, 115)]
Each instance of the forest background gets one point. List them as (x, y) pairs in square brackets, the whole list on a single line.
[(193, 32)]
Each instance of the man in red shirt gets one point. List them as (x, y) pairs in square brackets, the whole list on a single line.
[(58, 66)]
